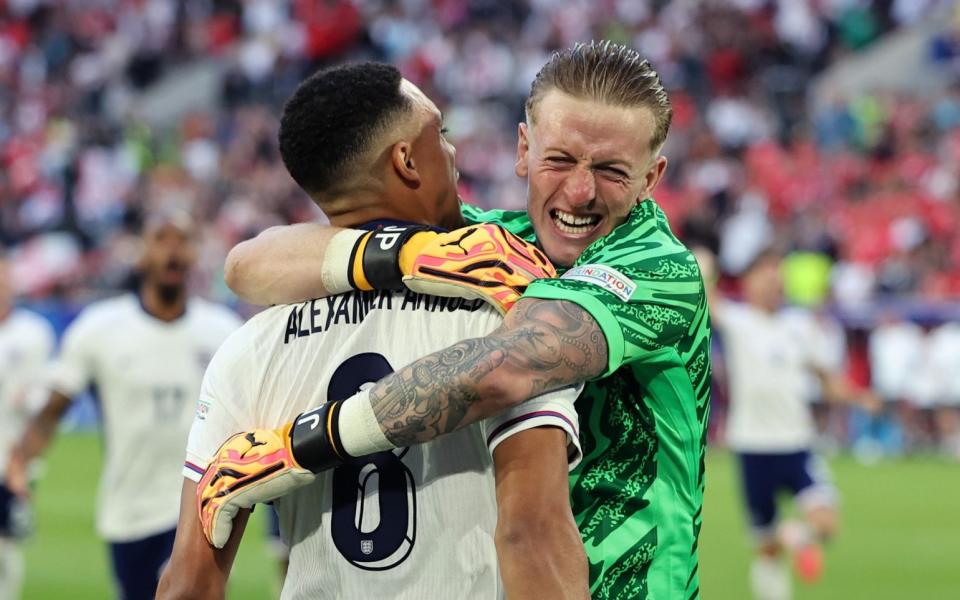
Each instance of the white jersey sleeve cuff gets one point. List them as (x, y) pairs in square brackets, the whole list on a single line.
[(193, 468), (550, 410), (67, 380)]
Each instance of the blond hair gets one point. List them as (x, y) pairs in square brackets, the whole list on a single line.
[(609, 73)]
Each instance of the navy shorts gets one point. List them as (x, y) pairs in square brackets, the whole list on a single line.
[(137, 564), (279, 548), (14, 515), (802, 474)]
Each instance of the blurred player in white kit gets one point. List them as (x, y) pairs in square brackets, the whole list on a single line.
[(144, 354), (26, 343), (428, 521), (769, 356)]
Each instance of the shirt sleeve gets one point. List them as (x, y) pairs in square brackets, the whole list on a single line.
[(219, 409), (554, 409), (38, 365), (72, 371), (644, 297), (229, 322)]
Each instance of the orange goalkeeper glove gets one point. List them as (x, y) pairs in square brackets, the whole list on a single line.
[(264, 464), (480, 261)]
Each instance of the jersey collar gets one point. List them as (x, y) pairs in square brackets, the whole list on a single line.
[(143, 308), (379, 223)]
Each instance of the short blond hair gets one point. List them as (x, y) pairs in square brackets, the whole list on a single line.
[(609, 73)]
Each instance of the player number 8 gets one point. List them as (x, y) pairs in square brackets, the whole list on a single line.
[(372, 537)]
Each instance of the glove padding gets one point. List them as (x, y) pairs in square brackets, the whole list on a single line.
[(249, 468), (480, 261)]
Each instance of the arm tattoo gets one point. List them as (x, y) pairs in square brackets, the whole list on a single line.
[(543, 345)]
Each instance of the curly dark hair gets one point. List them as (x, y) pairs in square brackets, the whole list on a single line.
[(332, 118)]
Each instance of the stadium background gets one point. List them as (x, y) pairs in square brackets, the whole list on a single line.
[(828, 127)]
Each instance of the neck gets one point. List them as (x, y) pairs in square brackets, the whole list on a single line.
[(165, 304), (365, 215), (371, 205), (763, 307)]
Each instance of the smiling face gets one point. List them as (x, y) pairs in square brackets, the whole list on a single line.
[(588, 164)]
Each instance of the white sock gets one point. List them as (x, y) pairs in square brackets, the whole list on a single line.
[(11, 569), (769, 579), (359, 429)]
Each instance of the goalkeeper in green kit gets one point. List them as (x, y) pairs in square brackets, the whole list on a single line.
[(628, 315)]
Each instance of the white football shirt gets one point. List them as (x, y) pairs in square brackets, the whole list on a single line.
[(945, 361), (896, 358), (768, 357), (414, 523), (146, 375), (26, 343)]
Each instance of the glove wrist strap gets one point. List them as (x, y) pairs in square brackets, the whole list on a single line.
[(315, 439), (377, 255)]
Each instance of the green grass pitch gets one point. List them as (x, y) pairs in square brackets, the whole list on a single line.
[(900, 534)]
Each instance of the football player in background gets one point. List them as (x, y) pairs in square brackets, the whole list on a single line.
[(770, 424), (144, 353), (429, 521), (26, 343), (278, 548), (630, 317)]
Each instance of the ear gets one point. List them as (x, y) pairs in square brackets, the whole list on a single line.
[(654, 175), (141, 253), (523, 147), (404, 165)]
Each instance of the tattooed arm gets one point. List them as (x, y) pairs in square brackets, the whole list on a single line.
[(543, 345)]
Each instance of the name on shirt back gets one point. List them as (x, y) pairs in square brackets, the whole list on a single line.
[(320, 314)]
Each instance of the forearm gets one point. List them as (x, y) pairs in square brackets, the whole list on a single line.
[(839, 389), (41, 428), (542, 346), (281, 265), (545, 562), (196, 570), (538, 544)]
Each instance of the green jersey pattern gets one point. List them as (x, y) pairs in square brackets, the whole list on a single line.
[(638, 493)]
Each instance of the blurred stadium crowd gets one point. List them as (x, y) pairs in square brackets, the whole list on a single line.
[(110, 107)]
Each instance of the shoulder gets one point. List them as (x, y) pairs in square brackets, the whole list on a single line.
[(644, 244), (947, 335), (215, 315), (31, 323), (642, 263), (516, 222), (104, 314), (233, 363), (30, 332)]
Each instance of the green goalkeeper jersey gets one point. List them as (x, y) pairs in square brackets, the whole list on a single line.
[(638, 494)]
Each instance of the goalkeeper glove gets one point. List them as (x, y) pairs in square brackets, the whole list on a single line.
[(480, 261), (263, 465)]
